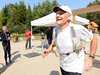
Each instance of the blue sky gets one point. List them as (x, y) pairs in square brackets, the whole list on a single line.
[(73, 4)]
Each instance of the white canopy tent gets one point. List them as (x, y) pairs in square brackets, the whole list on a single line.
[(50, 20)]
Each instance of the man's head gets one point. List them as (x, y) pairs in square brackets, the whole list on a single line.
[(27, 29), (4, 28), (41, 32), (49, 28), (63, 15)]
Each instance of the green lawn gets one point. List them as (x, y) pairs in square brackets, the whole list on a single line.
[(37, 37)]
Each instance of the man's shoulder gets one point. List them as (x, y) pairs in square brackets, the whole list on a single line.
[(1, 33), (7, 32), (75, 25), (78, 27), (26, 31), (56, 28)]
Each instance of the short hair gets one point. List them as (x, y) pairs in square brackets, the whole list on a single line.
[(67, 13), (3, 27), (27, 28)]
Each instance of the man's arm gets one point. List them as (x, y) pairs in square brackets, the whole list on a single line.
[(28, 33), (2, 37), (92, 53), (93, 45), (9, 38), (46, 52)]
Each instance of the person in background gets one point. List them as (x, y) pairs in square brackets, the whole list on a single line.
[(93, 31), (42, 35), (5, 36), (49, 35), (28, 38), (99, 32), (16, 39)]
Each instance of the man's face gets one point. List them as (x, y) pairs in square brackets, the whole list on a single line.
[(49, 28), (61, 17), (4, 29), (27, 29)]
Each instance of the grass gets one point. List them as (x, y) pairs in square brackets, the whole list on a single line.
[(37, 37)]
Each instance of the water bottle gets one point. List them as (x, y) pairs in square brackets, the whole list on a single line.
[(55, 51)]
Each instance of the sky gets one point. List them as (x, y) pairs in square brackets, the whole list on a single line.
[(73, 4)]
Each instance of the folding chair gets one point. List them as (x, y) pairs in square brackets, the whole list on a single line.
[(43, 43), (33, 38)]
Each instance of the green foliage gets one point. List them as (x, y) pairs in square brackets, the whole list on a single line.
[(42, 10), (18, 18), (0, 20), (4, 16), (18, 35), (29, 17), (94, 16), (21, 13)]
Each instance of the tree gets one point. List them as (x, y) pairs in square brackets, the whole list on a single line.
[(4, 16), (17, 18), (0, 20), (21, 13), (94, 16), (55, 3), (29, 17), (42, 10)]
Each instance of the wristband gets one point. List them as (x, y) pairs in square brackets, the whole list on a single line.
[(92, 56)]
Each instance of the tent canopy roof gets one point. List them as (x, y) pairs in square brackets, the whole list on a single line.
[(50, 20)]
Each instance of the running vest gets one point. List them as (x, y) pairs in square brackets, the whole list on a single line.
[(77, 45)]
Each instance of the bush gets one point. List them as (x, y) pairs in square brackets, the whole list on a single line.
[(18, 35)]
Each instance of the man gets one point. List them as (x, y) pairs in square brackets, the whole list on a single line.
[(49, 36), (99, 32), (5, 36), (42, 35), (71, 64), (93, 31), (28, 38)]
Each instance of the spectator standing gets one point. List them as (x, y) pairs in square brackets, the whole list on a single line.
[(49, 35), (5, 36), (42, 35), (28, 38)]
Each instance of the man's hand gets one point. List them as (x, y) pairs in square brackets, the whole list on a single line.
[(9, 38), (89, 64), (28, 33), (45, 53)]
